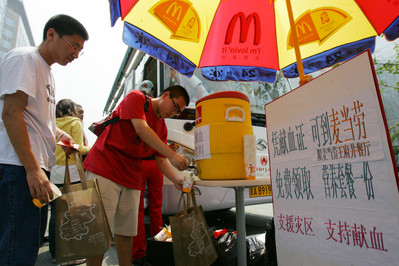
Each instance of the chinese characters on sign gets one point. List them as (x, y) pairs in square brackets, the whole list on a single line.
[(340, 232), (336, 135), (333, 181), (202, 146)]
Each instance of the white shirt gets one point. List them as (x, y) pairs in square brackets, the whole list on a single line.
[(23, 69), (58, 174)]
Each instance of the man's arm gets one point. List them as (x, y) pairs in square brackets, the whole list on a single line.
[(169, 171), (38, 183), (151, 138)]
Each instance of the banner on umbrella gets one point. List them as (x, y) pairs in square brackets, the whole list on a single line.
[(335, 190)]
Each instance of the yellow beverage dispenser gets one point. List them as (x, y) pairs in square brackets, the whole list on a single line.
[(222, 120)]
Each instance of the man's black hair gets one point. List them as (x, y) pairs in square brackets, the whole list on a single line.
[(176, 91), (65, 25)]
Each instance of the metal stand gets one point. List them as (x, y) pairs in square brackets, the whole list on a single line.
[(239, 186), (241, 230)]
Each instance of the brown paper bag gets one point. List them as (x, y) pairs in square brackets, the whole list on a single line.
[(192, 241), (82, 229)]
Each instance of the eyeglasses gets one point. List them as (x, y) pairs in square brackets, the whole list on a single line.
[(177, 108), (74, 47)]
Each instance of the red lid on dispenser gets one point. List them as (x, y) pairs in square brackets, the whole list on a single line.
[(225, 94)]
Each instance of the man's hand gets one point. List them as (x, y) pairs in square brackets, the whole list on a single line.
[(39, 185), (178, 183), (67, 139), (170, 172), (179, 162)]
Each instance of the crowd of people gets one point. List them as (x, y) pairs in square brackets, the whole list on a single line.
[(122, 159)]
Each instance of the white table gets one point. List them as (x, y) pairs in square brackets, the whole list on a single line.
[(238, 186)]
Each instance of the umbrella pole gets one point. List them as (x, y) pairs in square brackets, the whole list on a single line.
[(303, 79)]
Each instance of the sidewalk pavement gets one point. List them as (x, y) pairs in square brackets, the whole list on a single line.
[(44, 257)]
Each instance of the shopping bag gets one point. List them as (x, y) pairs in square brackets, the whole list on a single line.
[(192, 242), (82, 229)]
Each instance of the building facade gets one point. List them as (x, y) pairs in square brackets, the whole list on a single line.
[(14, 26)]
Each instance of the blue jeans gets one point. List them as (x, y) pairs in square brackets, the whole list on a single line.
[(22, 224), (51, 227)]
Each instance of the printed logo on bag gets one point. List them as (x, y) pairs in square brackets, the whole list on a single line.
[(198, 233), (77, 219)]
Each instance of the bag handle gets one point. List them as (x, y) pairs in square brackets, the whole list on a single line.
[(193, 198), (184, 203), (67, 176), (82, 176), (187, 205), (78, 160)]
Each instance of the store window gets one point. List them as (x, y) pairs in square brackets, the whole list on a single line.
[(8, 33), (6, 44), (10, 22)]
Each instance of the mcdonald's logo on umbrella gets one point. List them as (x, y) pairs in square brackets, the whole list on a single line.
[(318, 25), (245, 23), (180, 18)]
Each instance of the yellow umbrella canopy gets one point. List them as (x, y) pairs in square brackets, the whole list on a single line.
[(251, 40)]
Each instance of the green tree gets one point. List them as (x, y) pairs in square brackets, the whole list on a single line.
[(390, 68)]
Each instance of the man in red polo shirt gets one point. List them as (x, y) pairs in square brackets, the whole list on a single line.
[(115, 160)]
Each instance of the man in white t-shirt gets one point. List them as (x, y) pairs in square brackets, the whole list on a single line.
[(27, 135)]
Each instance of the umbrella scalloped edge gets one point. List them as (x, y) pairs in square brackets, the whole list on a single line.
[(145, 42), (239, 73), (330, 57)]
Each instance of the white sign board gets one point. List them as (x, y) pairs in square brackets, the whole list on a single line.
[(335, 194), (202, 143)]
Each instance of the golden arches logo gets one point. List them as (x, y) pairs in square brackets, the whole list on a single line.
[(174, 9), (245, 23), (179, 17), (318, 25)]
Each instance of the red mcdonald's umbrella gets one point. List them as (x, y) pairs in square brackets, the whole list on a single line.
[(251, 40)]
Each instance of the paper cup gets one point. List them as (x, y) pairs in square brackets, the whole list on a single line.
[(188, 183), (56, 193)]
